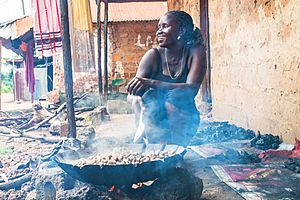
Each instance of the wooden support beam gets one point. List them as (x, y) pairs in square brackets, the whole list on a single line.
[(128, 1), (0, 73), (105, 52), (100, 85), (67, 60), (206, 86)]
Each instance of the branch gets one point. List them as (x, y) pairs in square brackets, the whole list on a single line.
[(16, 183), (59, 110)]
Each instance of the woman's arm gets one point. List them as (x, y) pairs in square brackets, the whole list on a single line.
[(146, 69)]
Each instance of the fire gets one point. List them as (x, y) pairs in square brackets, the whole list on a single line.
[(112, 188), (138, 185)]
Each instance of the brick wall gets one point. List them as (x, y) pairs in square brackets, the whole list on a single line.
[(129, 41), (255, 55)]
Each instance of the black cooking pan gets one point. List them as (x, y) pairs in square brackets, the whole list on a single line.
[(125, 174)]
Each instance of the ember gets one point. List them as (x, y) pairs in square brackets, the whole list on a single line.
[(211, 132), (293, 164)]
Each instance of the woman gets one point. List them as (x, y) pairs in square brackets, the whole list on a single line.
[(168, 79)]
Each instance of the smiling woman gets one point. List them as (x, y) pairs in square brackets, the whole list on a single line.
[(168, 78)]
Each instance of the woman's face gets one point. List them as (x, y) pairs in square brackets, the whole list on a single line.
[(168, 31)]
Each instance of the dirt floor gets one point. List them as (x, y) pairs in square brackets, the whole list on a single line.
[(121, 127), (8, 103), (16, 151), (213, 188)]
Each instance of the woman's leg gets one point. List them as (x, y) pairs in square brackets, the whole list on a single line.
[(183, 116), (136, 104), (183, 125), (155, 119), (154, 115)]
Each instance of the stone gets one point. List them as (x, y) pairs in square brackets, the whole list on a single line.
[(59, 127), (31, 195), (49, 180), (86, 135)]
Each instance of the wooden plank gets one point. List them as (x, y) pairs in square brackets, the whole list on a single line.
[(67, 60)]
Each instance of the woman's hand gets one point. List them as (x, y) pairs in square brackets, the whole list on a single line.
[(137, 86)]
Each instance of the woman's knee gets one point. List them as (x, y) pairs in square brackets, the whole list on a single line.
[(135, 100)]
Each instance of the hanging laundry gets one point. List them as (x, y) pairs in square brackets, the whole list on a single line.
[(47, 27), (29, 63), (82, 39)]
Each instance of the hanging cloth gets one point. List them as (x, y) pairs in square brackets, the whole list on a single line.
[(82, 39), (47, 27), (29, 70)]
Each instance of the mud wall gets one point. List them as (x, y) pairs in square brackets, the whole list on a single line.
[(255, 56), (192, 7)]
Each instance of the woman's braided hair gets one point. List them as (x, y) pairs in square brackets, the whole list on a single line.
[(192, 36)]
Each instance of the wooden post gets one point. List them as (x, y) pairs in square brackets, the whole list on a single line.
[(105, 52), (100, 86), (0, 73), (23, 8), (67, 59), (206, 86)]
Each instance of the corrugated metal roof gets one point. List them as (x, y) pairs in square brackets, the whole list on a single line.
[(134, 11)]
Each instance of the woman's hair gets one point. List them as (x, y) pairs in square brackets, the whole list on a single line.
[(192, 35)]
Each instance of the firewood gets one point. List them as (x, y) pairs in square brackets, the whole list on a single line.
[(58, 111), (39, 114), (3, 113), (16, 183), (13, 119), (41, 139)]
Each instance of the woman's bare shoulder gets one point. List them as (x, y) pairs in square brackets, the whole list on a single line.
[(148, 64), (196, 49), (150, 57), (152, 52)]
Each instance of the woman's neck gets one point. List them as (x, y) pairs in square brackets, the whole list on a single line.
[(175, 50)]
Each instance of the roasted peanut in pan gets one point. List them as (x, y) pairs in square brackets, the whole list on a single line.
[(123, 158)]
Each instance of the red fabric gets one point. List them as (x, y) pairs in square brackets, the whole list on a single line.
[(47, 29), (40, 26), (295, 153), (48, 26), (29, 63)]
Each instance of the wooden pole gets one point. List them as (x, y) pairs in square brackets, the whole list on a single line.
[(100, 86), (67, 59), (0, 73), (130, 1), (206, 87), (105, 51), (23, 8)]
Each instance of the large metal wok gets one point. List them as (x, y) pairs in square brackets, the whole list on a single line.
[(119, 175)]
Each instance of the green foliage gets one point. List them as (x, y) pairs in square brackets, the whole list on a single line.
[(6, 150), (7, 82)]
